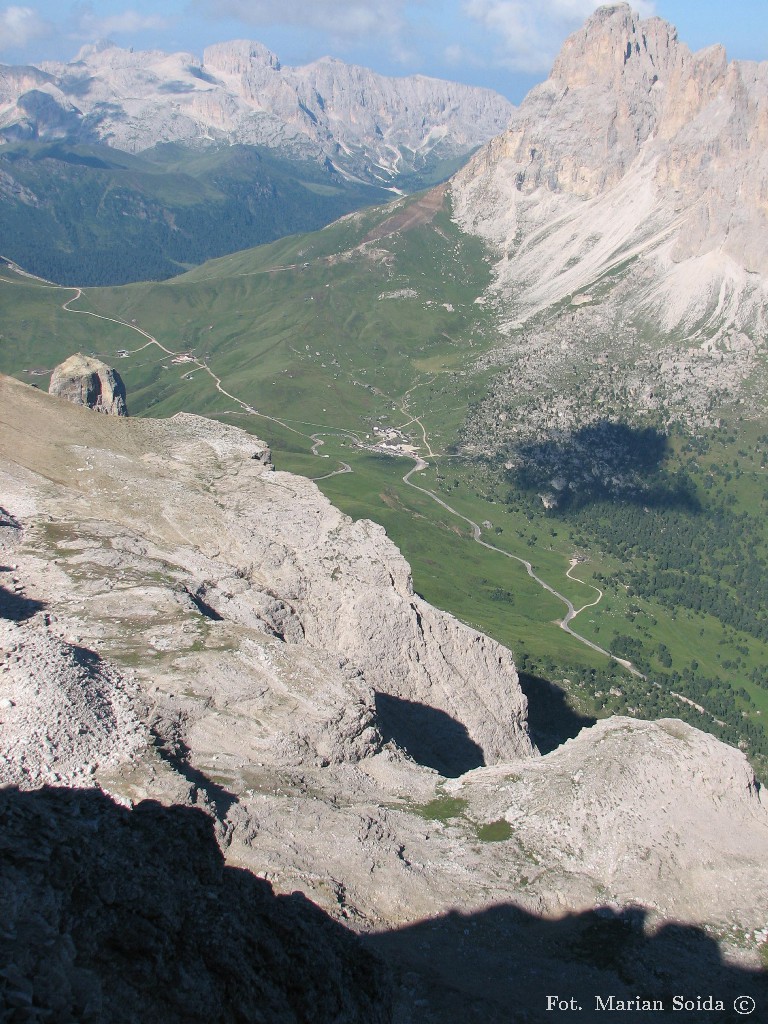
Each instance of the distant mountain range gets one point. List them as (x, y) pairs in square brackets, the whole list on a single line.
[(123, 166), (368, 128)]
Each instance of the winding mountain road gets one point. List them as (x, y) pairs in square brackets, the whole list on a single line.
[(151, 340), (571, 611), (344, 466), (419, 466)]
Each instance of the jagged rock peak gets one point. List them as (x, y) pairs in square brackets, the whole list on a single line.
[(89, 382), (615, 42), (239, 56), (634, 147)]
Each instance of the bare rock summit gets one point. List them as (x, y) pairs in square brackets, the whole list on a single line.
[(635, 156), (89, 382)]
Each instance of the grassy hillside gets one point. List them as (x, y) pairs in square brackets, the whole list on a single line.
[(372, 325), (92, 215)]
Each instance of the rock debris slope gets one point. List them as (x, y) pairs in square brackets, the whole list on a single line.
[(186, 624), (368, 126), (64, 712), (635, 152)]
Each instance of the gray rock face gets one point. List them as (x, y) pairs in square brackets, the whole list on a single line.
[(276, 560), (368, 126), (89, 382), (31, 106), (634, 149), (624, 802), (298, 692)]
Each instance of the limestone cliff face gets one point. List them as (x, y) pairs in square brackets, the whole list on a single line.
[(188, 626), (266, 551), (89, 382), (333, 100), (634, 147), (369, 126), (312, 577)]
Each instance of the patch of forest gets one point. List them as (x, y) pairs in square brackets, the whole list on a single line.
[(89, 215), (683, 520)]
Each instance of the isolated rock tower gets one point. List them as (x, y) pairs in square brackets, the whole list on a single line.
[(89, 382)]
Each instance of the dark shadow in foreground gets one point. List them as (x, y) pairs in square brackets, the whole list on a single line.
[(429, 736), (16, 607), (550, 720), (501, 965), (118, 916)]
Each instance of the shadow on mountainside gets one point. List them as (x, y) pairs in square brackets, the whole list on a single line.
[(109, 915), (16, 607), (603, 460), (177, 755), (550, 719), (431, 737), (114, 915), (499, 965)]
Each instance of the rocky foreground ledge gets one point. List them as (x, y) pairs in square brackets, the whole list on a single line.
[(196, 639)]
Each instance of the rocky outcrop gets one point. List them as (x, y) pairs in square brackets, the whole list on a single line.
[(634, 153), (346, 739), (637, 807), (267, 554), (89, 382), (368, 126)]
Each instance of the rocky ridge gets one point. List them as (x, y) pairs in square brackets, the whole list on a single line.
[(369, 127), (644, 774), (268, 663)]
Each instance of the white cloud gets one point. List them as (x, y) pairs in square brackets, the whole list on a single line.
[(20, 25), (131, 21), (342, 19), (89, 25), (531, 31), (459, 55)]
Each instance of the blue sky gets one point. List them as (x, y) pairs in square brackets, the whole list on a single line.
[(507, 45)]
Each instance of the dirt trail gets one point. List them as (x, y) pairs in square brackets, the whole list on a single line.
[(571, 612), (344, 466), (574, 563), (422, 211)]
